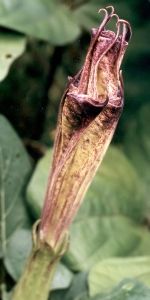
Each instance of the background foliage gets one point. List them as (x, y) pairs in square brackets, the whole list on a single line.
[(41, 43)]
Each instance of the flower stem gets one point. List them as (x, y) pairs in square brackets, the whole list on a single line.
[(36, 280)]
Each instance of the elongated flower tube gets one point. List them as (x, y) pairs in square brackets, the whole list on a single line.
[(89, 112)]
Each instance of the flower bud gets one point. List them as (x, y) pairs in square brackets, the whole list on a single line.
[(89, 112)]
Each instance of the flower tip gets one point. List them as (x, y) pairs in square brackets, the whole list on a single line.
[(126, 31), (112, 9), (105, 10)]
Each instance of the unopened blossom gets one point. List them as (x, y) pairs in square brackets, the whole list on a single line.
[(88, 116)]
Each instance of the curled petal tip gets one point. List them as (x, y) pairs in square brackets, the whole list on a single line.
[(112, 9), (126, 29), (108, 14), (118, 30), (107, 17), (104, 10), (116, 16)]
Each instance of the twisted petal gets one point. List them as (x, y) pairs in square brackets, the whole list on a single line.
[(88, 115)]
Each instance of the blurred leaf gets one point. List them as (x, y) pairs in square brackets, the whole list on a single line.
[(11, 46), (126, 290), (17, 252), (77, 287), (142, 248), (62, 278), (14, 171), (106, 237), (137, 143), (87, 15), (38, 183), (43, 19), (106, 274)]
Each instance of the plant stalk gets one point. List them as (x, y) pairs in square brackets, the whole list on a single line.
[(36, 280)]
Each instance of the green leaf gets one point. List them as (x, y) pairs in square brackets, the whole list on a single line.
[(126, 290), (15, 169), (78, 287), (129, 290), (87, 15), (106, 237), (62, 278), (95, 238), (106, 274), (43, 19), (38, 183), (137, 143), (11, 46), (143, 247), (18, 249)]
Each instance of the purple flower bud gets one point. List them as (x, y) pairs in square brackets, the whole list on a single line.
[(89, 112)]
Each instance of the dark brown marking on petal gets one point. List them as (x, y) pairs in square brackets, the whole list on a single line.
[(80, 113)]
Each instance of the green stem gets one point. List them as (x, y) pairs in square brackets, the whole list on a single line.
[(36, 280)]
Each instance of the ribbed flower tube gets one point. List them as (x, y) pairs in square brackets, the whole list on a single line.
[(89, 112)]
